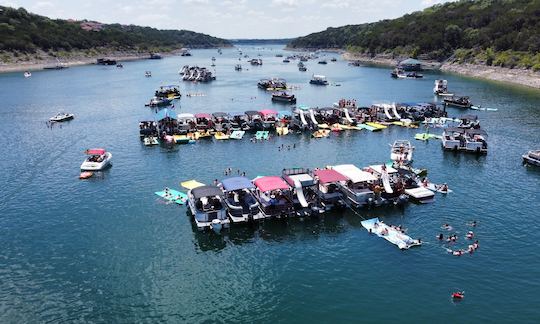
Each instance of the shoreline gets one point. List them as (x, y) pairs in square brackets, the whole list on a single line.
[(76, 59), (520, 77)]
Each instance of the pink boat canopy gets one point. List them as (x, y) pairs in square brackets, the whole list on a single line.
[(97, 151), (267, 112), (270, 183), (328, 176), (203, 115)]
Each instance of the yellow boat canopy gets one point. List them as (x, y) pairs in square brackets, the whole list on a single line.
[(191, 184)]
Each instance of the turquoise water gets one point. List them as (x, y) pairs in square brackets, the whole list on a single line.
[(107, 250)]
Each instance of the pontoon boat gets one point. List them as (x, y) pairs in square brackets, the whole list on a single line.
[(207, 207), (241, 204), (274, 196)]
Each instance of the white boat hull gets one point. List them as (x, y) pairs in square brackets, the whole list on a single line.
[(97, 166)]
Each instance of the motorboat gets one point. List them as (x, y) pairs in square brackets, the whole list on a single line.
[(302, 67), (170, 92), (186, 123), (318, 79), (254, 120), (61, 117), (323, 62), (399, 73), (151, 140), (105, 61), (304, 191), (239, 121), (273, 84), (274, 196), (286, 60), (155, 56), (241, 203), (222, 121), (238, 67), (204, 122), (256, 61), (208, 208), (532, 157), (391, 187), (461, 102), (269, 118), (357, 188), (147, 74), (468, 140), (333, 59), (283, 97), (328, 181), (97, 159), (159, 102), (441, 88), (27, 74), (402, 152), (468, 121)]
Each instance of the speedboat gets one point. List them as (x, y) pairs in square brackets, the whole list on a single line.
[(27, 74), (532, 158), (357, 188), (274, 196), (159, 102), (207, 207), (97, 159), (305, 198), (318, 79), (402, 151), (323, 62), (461, 102), (283, 97), (241, 204), (238, 67), (147, 74), (60, 117), (328, 181)]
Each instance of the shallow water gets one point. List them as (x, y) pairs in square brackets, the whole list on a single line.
[(106, 250)]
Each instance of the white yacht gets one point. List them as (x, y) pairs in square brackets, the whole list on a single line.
[(468, 140), (97, 159)]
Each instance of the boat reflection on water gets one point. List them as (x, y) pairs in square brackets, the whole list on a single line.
[(291, 229)]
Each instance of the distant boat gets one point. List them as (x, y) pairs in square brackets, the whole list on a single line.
[(148, 74), (105, 61), (318, 80), (155, 56), (323, 62), (27, 74), (238, 67), (60, 117)]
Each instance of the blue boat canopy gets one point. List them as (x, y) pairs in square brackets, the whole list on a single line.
[(237, 113), (284, 113), (303, 107), (166, 113), (236, 183)]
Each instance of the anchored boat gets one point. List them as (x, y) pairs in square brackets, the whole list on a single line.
[(461, 102), (61, 117), (97, 159), (241, 203), (532, 158), (305, 198), (402, 151), (207, 207), (274, 196)]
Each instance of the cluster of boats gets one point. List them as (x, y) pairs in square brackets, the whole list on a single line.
[(301, 192), (467, 136), (196, 74)]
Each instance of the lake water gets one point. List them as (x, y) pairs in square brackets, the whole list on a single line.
[(107, 250)]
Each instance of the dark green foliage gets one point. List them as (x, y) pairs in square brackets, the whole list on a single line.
[(437, 32), (25, 32)]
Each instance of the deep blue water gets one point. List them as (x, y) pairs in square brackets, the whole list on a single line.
[(106, 250)]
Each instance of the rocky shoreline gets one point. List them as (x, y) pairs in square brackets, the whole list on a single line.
[(521, 77)]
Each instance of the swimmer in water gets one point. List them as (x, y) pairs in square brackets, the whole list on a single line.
[(440, 236), (470, 235)]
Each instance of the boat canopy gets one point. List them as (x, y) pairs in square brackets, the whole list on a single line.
[(98, 151), (329, 175), (270, 183), (353, 173), (185, 116), (304, 179), (319, 77), (203, 115), (266, 112), (253, 113), (284, 113), (410, 61), (378, 168), (206, 191), (170, 86), (236, 183), (237, 114), (220, 114), (468, 117), (454, 130), (165, 113), (303, 107)]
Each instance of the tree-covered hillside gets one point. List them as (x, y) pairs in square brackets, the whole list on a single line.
[(26, 32), (499, 32)]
